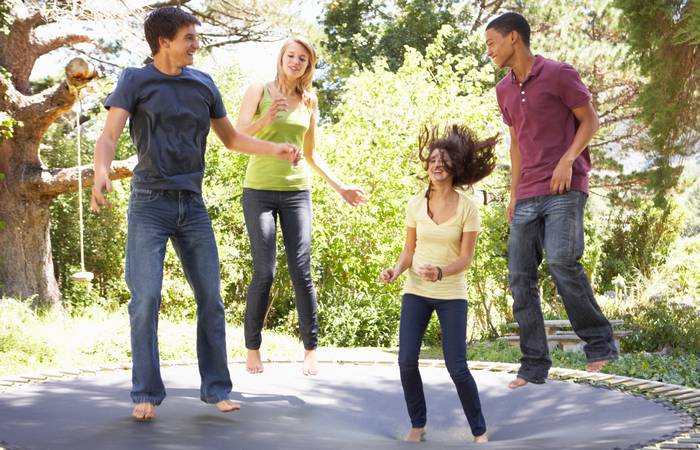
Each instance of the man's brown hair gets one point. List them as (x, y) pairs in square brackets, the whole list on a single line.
[(164, 23)]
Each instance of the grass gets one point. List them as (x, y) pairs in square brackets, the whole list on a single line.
[(32, 341)]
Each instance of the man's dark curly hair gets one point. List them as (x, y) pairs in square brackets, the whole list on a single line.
[(470, 159), (164, 23)]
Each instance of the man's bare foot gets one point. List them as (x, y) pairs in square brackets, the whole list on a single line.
[(310, 366), (416, 435), (595, 366), (143, 412), (482, 439), (517, 383), (253, 363), (225, 406)]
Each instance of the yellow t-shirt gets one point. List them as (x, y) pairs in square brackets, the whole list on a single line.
[(439, 245)]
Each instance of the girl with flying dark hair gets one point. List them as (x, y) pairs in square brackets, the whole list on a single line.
[(441, 228)]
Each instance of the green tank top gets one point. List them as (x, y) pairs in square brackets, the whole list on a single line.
[(272, 174)]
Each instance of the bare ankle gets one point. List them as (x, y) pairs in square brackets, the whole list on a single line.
[(310, 365), (481, 439), (416, 434), (253, 361)]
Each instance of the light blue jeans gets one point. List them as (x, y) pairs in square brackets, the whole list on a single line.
[(553, 224), (154, 217)]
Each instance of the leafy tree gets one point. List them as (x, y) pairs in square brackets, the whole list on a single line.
[(29, 30), (360, 31), (664, 41)]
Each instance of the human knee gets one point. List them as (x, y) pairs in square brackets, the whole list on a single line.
[(144, 306), (263, 276), (563, 267), (459, 371), (408, 362)]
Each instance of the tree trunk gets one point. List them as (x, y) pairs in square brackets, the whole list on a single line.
[(26, 267)]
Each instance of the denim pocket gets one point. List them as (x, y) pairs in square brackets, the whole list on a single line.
[(140, 195)]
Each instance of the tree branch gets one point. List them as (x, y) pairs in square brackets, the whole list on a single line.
[(53, 182), (48, 45)]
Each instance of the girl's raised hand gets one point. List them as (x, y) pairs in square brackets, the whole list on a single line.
[(390, 275), (428, 272), (279, 105)]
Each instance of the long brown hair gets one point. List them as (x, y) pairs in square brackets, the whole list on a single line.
[(470, 159), (303, 84)]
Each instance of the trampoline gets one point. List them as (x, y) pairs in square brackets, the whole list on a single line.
[(345, 406)]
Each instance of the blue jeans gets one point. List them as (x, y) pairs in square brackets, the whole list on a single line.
[(553, 224), (415, 315), (261, 209), (154, 217)]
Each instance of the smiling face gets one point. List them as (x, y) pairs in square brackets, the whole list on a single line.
[(440, 166), (295, 60), (500, 48), (182, 47)]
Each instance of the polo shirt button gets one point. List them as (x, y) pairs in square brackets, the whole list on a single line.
[(523, 99), (522, 92)]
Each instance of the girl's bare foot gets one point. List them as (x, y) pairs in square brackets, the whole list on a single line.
[(416, 435), (225, 406), (253, 363), (481, 439), (517, 383), (143, 412), (310, 366)]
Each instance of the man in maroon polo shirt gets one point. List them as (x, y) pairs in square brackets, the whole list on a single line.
[(551, 121)]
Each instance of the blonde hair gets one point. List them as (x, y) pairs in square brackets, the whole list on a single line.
[(303, 84)]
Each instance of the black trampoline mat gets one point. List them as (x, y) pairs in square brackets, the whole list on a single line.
[(344, 407)]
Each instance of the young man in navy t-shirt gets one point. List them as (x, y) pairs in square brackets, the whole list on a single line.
[(551, 120), (170, 108)]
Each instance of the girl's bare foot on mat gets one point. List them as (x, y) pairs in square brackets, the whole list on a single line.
[(253, 363), (416, 435), (310, 366), (481, 439)]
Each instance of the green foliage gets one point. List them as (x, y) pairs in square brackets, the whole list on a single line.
[(676, 368), (664, 41), (660, 324), (104, 233), (5, 18), (683, 369), (692, 207), (18, 348), (7, 124), (639, 239), (360, 31)]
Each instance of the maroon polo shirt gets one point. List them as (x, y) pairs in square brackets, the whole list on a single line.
[(540, 110)]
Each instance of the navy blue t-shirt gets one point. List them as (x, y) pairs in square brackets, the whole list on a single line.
[(169, 120)]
